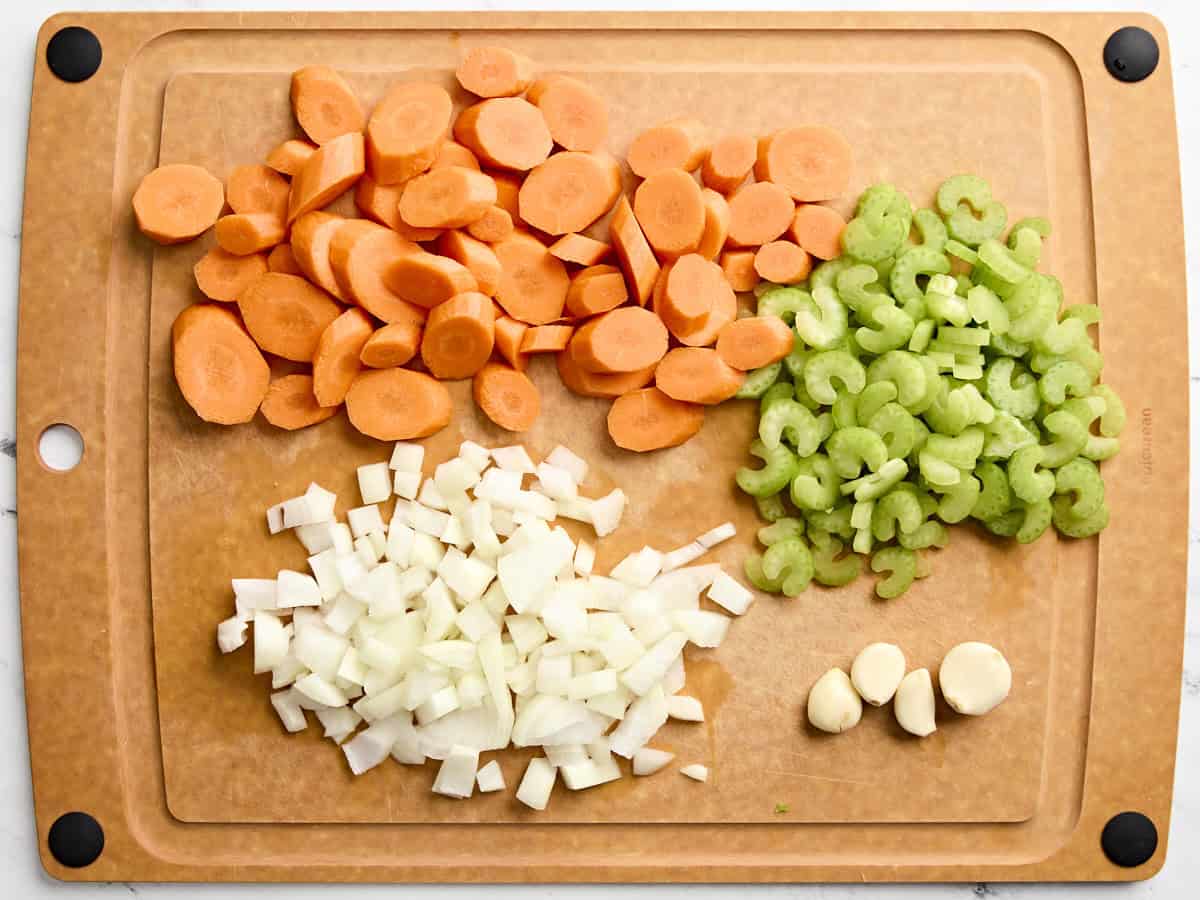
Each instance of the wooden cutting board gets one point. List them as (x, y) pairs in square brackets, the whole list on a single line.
[(136, 720)]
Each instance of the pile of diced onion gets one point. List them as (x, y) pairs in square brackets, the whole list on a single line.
[(471, 622)]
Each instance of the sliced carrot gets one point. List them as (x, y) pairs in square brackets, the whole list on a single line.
[(281, 259), (637, 259), (506, 396), (754, 342), (477, 256), (494, 72), (533, 284), (330, 171), (694, 287), (596, 290), (257, 189), (290, 403), (723, 312), (493, 226), (576, 114), (570, 191), (670, 209), (678, 144), (336, 362), (360, 257), (650, 420), (176, 203), (220, 372), (289, 157), (738, 266), (452, 153), (286, 315), (426, 279), (782, 262), (447, 198), (660, 288), (223, 276), (392, 345), (459, 336), (818, 229), (324, 105), (244, 233), (509, 335), (311, 236), (508, 193), (580, 249), (381, 202), (406, 130), (622, 340), (697, 375), (758, 214), (592, 384), (729, 162), (398, 404), (811, 162), (716, 224), (506, 132), (546, 338)]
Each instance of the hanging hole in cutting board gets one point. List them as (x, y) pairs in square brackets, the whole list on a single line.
[(60, 448)]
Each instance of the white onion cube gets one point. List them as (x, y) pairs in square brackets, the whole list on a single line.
[(561, 755), (476, 455), (685, 709), (271, 642), (231, 634), (289, 711), (702, 627), (407, 457), (399, 544), (537, 783), (513, 459), (427, 551), (441, 703), (324, 569), (553, 675), (374, 483), (475, 621), (642, 720), (372, 746), (647, 761), (456, 777), (681, 556), (364, 520), (490, 778), (728, 593), (606, 512), (406, 484), (721, 533), (556, 483), (316, 537), (592, 684), (320, 691), (251, 594), (427, 521), (585, 558), (296, 589), (638, 569), (695, 771), (650, 669), (563, 458)]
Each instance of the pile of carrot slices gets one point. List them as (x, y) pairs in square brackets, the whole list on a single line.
[(489, 235)]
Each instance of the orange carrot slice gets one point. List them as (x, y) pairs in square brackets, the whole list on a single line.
[(697, 375), (244, 233), (223, 276), (575, 113), (311, 236), (459, 336), (506, 132), (678, 144), (818, 229), (336, 362), (758, 214), (452, 153), (811, 162), (406, 130), (290, 404), (592, 384), (723, 312), (506, 396), (533, 284), (330, 171), (176, 203), (360, 258), (546, 338), (694, 287), (493, 226), (478, 257), (289, 157), (324, 105), (596, 290), (569, 191), (633, 252), (622, 340), (509, 335), (446, 198), (729, 162), (508, 193), (670, 209), (286, 315), (754, 342), (426, 279), (650, 420), (392, 345), (398, 404), (580, 249), (782, 262), (258, 189), (378, 202), (738, 266), (494, 72), (716, 224), (281, 259), (220, 372)]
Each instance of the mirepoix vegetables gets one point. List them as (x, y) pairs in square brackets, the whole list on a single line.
[(928, 383)]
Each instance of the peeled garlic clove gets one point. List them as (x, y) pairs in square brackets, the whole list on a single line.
[(877, 671), (975, 678), (915, 703), (833, 704)]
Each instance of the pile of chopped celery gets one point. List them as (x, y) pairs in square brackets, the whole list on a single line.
[(931, 382)]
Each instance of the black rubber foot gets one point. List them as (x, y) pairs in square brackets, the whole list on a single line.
[(73, 54), (1129, 839), (1131, 54), (76, 840)]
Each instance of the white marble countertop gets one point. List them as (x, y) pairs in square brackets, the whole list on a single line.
[(23, 875)]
